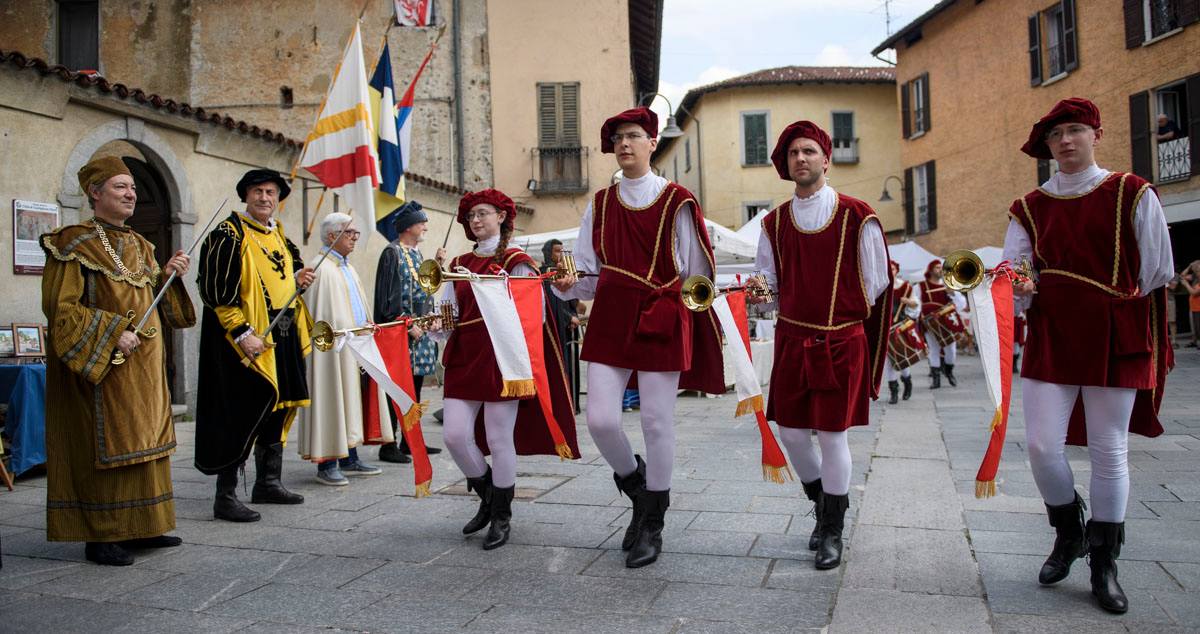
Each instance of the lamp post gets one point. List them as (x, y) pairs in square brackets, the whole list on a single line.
[(886, 197), (671, 130)]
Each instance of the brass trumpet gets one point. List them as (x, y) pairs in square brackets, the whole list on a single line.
[(963, 270), (324, 336), (698, 292), (430, 276)]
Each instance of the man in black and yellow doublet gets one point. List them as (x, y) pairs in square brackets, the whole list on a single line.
[(109, 435), (248, 271)]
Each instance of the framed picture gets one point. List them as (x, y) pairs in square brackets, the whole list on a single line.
[(28, 340), (30, 220), (7, 349)]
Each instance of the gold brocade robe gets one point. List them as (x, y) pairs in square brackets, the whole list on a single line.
[(108, 427)]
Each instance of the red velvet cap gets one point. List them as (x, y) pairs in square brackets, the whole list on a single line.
[(641, 115), (799, 129), (493, 197), (929, 267), (1070, 110)]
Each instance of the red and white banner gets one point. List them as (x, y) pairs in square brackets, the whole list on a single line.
[(340, 150), (992, 320), (384, 356), (414, 12), (730, 309)]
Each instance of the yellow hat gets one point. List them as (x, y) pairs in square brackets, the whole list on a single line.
[(99, 170)]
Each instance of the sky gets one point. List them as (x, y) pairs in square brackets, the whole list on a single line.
[(705, 41)]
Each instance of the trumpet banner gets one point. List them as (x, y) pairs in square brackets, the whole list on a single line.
[(992, 320), (730, 309), (384, 356)]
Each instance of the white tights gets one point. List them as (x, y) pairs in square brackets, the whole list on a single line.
[(890, 373), (458, 432), (832, 466), (1048, 411), (936, 351), (657, 391)]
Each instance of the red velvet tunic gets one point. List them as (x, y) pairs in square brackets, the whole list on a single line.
[(473, 375), (1087, 323), (898, 306), (829, 339), (638, 320), (933, 296)]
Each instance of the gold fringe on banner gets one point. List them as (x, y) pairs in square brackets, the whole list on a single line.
[(422, 490), (749, 406), (564, 451), (985, 489), (523, 387), (775, 474), (413, 416)]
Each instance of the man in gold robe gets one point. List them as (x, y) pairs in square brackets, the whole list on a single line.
[(251, 381), (109, 435)]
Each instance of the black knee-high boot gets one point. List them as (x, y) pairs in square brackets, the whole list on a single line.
[(907, 380), (632, 485), (1069, 545), (812, 491), (497, 534), (268, 488), (482, 486), (1104, 546), (227, 506), (648, 543), (935, 376), (894, 391), (948, 370), (832, 523)]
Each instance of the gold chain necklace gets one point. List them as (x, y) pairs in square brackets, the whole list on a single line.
[(111, 252)]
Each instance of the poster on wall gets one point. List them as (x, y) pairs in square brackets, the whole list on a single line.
[(30, 220)]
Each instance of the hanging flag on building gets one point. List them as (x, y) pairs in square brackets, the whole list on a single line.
[(393, 133), (340, 150), (415, 12)]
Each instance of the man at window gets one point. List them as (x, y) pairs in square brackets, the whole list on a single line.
[(1168, 130)]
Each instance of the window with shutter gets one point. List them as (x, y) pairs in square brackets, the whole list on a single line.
[(918, 100), (1035, 50), (1135, 22), (921, 198), (845, 146), (910, 221), (905, 109), (1139, 134), (560, 156), (79, 34), (754, 138), (931, 195), (1070, 46), (1056, 61)]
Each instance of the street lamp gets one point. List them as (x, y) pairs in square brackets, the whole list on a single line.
[(886, 197), (671, 130)]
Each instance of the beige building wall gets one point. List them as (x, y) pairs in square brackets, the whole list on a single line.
[(715, 137), (526, 46), (982, 105)]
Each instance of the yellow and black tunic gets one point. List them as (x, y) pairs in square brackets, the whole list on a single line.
[(246, 275)]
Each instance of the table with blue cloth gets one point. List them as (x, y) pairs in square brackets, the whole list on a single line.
[(23, 387)]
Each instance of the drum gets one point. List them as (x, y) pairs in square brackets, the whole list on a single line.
[(945, 325), (905, 346)]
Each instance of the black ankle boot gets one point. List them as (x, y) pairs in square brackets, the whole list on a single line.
[(831, 524), (907, 381), (935, 375), (648, 543), (632, 485), (894, 390), (948, 370), (1069, 545), (227, 506), (812, 490), (1104, 546), (497, 534), (482, 486), (1016, 364), (268, 489), (107, 554)]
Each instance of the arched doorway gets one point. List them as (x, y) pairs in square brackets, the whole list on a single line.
[(152, 219)]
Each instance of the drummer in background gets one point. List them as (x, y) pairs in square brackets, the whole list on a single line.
[(933, 296), (905, 308)]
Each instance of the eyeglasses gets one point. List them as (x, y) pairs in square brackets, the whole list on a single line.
[(1073, 130), (481, 214), (632, 136)]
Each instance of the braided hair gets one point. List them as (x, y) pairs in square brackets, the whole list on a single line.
[(505, 235)]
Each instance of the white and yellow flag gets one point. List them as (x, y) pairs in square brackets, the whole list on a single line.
[(340, 151)]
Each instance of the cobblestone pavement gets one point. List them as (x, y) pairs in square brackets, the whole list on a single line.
[(923, 554)]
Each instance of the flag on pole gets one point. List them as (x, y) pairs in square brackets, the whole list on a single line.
[(384, 356), (414, 12), (730, 309), (340, 151), (992, 320), (394, 135), (386, 119)]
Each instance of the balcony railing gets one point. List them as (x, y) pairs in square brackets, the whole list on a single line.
[(1174, 160), (845, 150), (560, 170)]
